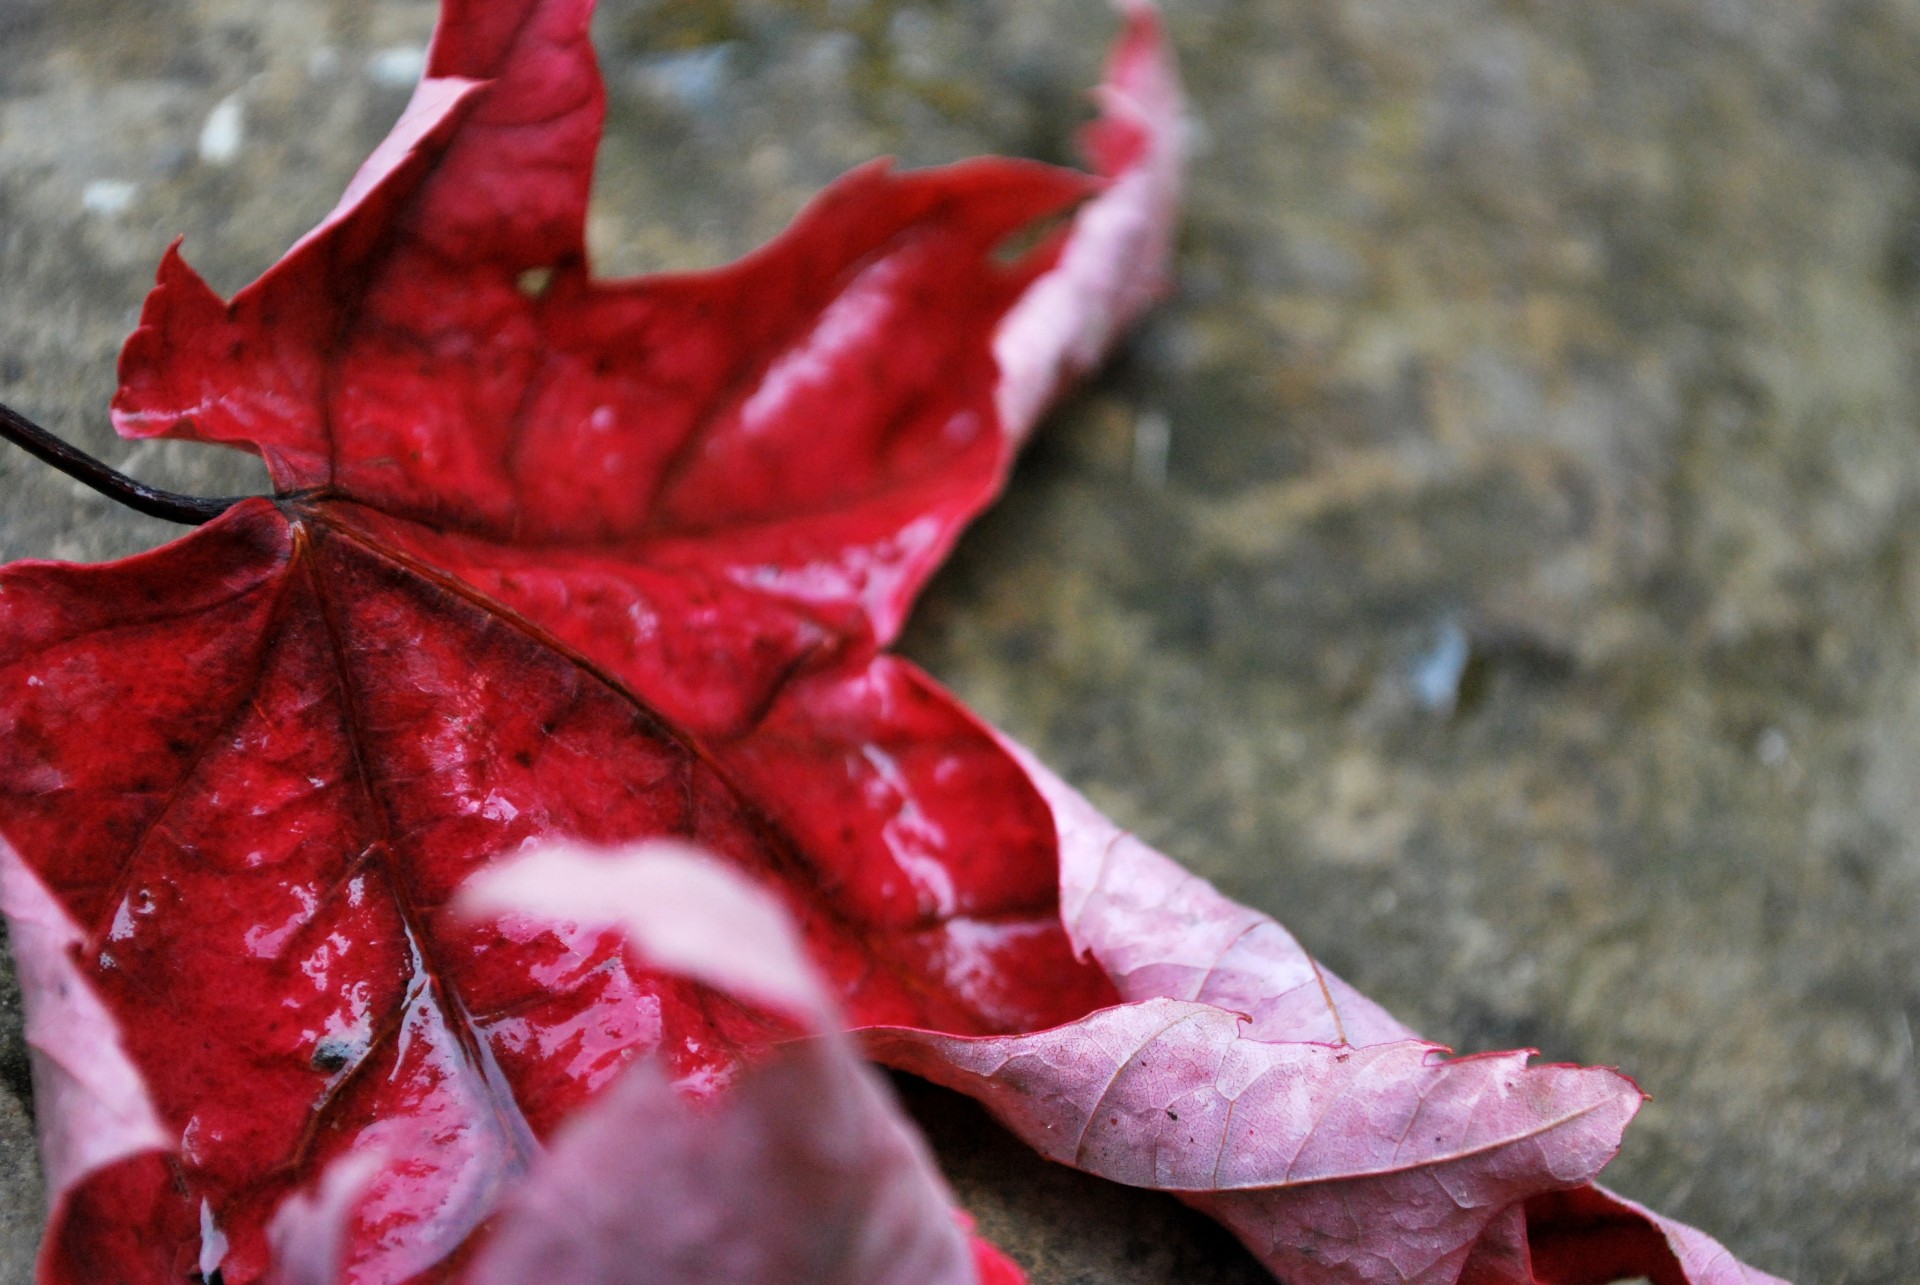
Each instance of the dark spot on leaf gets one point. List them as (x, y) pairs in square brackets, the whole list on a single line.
[(330, 1055), (1172, 1114)]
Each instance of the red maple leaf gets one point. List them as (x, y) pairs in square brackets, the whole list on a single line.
[(556, 558)]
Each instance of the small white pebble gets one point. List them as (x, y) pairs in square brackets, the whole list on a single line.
[(1772, 748), (398, 66), (108, 195), (1436, 673), (224, 132), (695, 78)]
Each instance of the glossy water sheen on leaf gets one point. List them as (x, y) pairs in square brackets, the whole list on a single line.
[(556, 558)]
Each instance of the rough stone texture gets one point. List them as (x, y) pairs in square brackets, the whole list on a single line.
[(1497, 561)]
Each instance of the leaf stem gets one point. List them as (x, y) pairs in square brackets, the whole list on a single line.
[(193, 510)]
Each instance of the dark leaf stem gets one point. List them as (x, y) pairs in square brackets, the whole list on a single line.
[(193, 510)]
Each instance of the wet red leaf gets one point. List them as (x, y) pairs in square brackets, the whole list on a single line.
[(557, 558), (551, 557)]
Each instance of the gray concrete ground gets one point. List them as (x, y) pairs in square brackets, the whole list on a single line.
[(1498, 562)]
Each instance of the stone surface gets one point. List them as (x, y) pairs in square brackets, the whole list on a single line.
[(1497, 562)]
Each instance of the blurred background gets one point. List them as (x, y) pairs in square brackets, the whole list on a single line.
[(1497, 561)]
